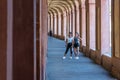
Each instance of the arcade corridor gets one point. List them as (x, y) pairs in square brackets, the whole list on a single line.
[(27, 53), (71, 69)]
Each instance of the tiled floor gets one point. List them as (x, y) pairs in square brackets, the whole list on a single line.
[(71, 69)]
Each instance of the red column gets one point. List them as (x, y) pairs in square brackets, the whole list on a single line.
[(23, 40), (43, 35), (52, 22), (62, 24), (6, 46), (78, 21), (59, 24), (49, 22), (56, 23), (74, 26), (65, 23), (68, 22), (87, 27), (3, 39)]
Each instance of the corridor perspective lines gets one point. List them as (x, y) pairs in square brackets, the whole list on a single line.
[(71, 69)]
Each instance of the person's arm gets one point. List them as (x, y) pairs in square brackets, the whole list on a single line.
[(80, 38)]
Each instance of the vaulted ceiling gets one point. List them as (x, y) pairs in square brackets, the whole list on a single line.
[(61, 6)]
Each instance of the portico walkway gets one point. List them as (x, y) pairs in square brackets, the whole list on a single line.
[(71, 69)]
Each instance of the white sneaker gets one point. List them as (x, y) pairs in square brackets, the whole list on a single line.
[(76, 57), (70, 57), (64, 57)]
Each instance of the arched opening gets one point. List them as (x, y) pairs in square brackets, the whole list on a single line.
[(106, 27), (83, 16), (110, 53), (92, 24)]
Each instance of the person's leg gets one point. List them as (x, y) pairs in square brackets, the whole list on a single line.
[(71, 51), (75, 51), (68, 46), (76, 54)]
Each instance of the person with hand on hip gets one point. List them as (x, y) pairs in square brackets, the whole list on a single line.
[(76, 45)]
